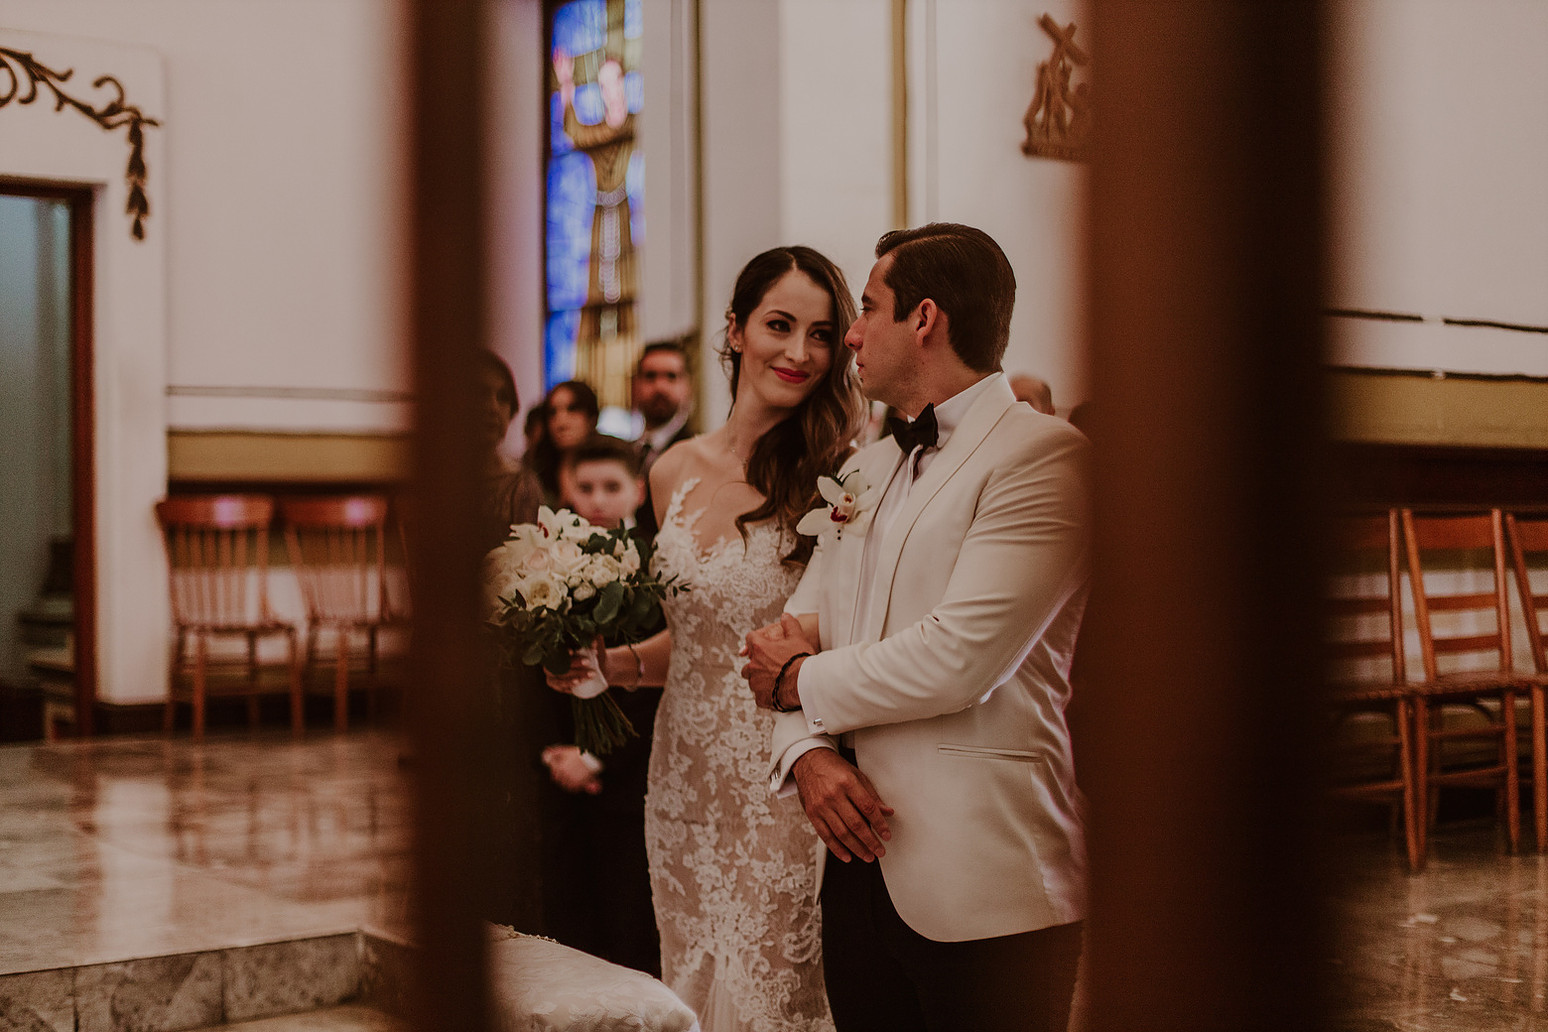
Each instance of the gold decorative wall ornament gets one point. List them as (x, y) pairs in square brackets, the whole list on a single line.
[(1059, 119), (26, 73)]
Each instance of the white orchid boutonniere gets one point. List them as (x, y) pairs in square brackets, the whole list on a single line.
[(850, 503)]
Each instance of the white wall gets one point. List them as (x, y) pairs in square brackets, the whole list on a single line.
[(742, 197), (279, 200), (972, 70), (1440, 156), (515, 149), (836, 129)]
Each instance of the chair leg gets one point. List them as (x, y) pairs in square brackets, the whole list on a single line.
[(1539, 769), (169, 714), (297, 711), (372, 679), (1512, 773), (252, 682), (341, 682), (1411, 840), (201, 664), (1421, 746)]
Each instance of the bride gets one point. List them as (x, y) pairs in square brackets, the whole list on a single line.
[(732, 869)]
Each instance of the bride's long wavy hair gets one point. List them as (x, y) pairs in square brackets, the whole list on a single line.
[(819, 434)]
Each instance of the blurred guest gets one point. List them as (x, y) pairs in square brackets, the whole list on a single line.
[(511, 789), (1033, 390), (663, 393), (510, 492), (532, 430), (569, 417), (663, 397)]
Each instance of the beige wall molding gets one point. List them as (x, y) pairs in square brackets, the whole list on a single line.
[(227, 455), (1401, 407)]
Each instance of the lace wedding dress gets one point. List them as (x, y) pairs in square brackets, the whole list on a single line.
[(732, 869)]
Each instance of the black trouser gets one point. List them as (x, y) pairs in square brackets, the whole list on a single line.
[(884, 976)]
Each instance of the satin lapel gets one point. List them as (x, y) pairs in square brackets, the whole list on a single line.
[(877, 464), (964, 441)]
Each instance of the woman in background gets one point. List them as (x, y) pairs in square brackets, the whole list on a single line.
[(509, 492), (570, 414)]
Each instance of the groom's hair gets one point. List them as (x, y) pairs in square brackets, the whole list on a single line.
[(968, 277)]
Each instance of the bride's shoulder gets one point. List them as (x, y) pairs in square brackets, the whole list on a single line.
[(675, 466)]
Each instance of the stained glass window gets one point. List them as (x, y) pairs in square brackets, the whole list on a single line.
[(596, 183)]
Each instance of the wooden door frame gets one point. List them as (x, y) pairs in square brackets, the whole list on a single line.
[(83, 478)]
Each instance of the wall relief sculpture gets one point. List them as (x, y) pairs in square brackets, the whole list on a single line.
[(1058, 121)]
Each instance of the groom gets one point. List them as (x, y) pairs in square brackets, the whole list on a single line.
[(922, 668)]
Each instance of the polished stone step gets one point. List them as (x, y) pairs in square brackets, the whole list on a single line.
[(234, 987), (349, 1018)]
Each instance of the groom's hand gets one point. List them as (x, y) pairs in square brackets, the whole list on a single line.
[(842, 805), (768, 649)]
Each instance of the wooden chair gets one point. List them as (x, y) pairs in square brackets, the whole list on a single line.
[(1527, 534), (338, 549), (1473, 640), (1368, 686), (218, 552)]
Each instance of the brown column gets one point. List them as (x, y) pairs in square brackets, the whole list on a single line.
[(1205, 238), (451, 878)]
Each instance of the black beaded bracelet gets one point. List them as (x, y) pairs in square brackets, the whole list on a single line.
[(779, 682)]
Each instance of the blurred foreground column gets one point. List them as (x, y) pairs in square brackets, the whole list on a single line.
[(450, 682), (1205, 239)]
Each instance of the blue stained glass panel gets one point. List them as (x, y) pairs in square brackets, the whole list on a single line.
[(580, 26), (559, 347), (588, 104), (572, 191), (634, 89), (558, 142), (634, 19)]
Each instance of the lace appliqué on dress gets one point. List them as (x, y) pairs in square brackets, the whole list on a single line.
[(732, 869)]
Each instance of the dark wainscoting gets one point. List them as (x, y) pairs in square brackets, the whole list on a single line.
[(1431, 476)]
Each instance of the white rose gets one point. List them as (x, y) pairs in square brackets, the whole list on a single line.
[(629, 565), (582, 591), (543, 591), (537, 560), (603, 570), (500, 579), (565, 558)]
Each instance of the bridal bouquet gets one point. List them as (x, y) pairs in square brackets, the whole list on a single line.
[(558, 584)]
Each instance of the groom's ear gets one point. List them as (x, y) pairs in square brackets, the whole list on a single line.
[(928, 320)]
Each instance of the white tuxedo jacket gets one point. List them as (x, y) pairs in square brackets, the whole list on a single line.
[(955, 689)]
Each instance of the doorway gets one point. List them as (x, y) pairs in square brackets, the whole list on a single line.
[(47, 504)]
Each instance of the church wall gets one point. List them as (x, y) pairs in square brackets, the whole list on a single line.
[(1440, 152), (279, 200), (740, 175), (971, 75)]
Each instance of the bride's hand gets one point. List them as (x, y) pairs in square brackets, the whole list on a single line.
[(585, 666)]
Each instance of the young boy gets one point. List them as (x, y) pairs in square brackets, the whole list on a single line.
[(596, 883)]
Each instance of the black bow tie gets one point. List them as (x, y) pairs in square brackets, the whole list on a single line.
[(921, 432)]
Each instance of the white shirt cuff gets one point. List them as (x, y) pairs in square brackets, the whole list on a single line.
[(782, 784)]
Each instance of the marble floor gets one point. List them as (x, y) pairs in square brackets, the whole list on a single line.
[(129, 848), (1462, 945), (121, 849)]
